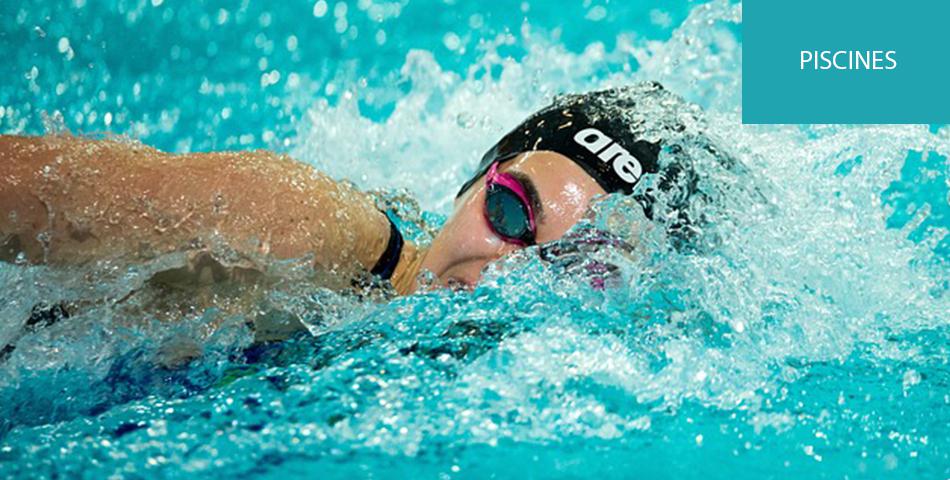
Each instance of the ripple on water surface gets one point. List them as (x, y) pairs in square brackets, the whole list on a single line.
[(807, 338)]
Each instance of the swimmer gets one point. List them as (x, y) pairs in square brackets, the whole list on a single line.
[(71, 201)]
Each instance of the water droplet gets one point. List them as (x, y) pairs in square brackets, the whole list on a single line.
[(451, 41), (320, 9), (596, 14), (911, 378), (339, 10)]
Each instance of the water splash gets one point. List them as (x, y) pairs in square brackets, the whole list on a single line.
[(808, 339)]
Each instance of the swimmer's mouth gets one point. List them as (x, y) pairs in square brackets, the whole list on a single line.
[(455, 279), (458, 284)]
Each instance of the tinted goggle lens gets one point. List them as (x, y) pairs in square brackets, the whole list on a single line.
[(508, 214)]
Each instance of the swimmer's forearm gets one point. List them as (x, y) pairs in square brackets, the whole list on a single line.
[(71, 200)]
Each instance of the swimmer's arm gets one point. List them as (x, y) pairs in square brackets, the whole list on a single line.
[(68, 200)]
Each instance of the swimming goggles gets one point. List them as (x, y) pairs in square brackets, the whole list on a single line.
[(508, 209), (509, 214)]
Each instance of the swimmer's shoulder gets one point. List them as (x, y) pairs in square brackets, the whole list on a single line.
[(66, 149)]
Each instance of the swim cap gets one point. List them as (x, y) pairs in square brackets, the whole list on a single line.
[(598, 130), (620, 136), (616, 135)]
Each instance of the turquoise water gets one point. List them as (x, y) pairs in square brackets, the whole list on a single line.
[(812, 342)]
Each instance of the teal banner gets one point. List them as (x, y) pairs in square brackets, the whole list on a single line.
[(846, 61)]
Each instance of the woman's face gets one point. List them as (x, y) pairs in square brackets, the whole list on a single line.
[(467, 243)]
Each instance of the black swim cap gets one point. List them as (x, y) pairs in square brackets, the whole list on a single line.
[(621, 135), (599, 131)]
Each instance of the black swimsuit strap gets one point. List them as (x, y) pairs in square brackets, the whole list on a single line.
[(390, 258)]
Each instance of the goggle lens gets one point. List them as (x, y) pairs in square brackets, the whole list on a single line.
[(507, 214)]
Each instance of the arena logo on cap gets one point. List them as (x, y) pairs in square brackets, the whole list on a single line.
[(608, 150)]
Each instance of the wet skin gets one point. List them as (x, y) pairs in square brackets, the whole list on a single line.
[(466, 243), (104, 199), (69, 201)]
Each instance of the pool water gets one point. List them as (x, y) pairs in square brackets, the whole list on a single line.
[(811, 342)]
